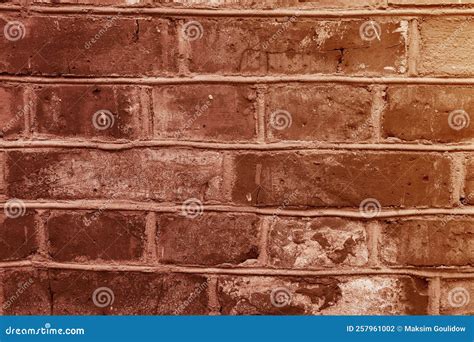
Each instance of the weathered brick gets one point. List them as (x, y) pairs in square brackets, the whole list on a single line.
[(88, 45), (446, 45), (75, 111), (441, 241), (457, 297), (12, 111), (210, 112), (429, 113), (18, 238), (315, 243), (129, 293), (296, 46), (81, 236), (325, 295), (25, 292), (308, 179), (468, 197), (210, 239), (429, 2), (319, 112), (161, 175)]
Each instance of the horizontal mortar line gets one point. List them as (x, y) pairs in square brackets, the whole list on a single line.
[(301, 78), (280, 146), (244, 271), (107, 204), (186, 12)]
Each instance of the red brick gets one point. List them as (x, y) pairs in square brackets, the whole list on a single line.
[(295, 46), (308, 179), (81, 236), (210, 239), (25, 292), (429, 2), (468, 197), (12, 111), (70, 111), (133, 293), (457, 297), (315, 243), (161, 175), (441, 241), (65, 46), (446, 46), (18, 238), (319, 112), (205, 112), (323, 295), (423, 113)]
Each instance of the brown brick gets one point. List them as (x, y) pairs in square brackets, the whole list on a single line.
[(429, 2), (210, 239), (468, 197), (446, 45), (70, 111), (429, 113), (441, 241), (308, 179), (295, 46), (315, 243), (323, 296), (12, 111), (161, 175), (96, 235), (132, 293), (18, 238), (319, 112), (25, 292), (205, 112), (88, 45), (457, 297)]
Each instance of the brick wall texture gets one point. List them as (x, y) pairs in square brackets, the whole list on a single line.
[(237, 157)]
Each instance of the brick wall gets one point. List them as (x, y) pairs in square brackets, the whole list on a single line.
[(237, 157)]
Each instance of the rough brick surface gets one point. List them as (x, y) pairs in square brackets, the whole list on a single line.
[(328, 296), (457, 297), (18, 238), (95, 235), (315, 243), (428, 242), (13, 110), (346, 179), (319, 112), (210, 239)]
